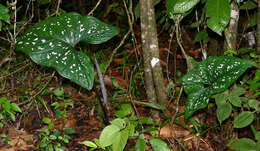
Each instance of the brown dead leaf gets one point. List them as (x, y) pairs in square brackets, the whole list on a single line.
[(7, 149), (69, 122), (20, 140), (177, 131)]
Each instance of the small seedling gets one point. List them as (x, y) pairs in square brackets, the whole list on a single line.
[(8, 109), (51, 139)]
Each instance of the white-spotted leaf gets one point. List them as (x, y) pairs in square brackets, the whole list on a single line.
[(51, 43), (182, 6), (209, 77)]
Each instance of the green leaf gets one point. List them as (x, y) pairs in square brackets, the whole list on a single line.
[(243, 119), (202, 36), (43, 2), (140, 144), (243, 144), (257, 135), (16, 108), (125, 109), (59, 92), (218, 13), (152, 105), (11, 116), (238, 91), (170, 5), (120, 140), (220, 99), (69, 131), (223, 112), (182, 6), (252, 20), (89, 144), (249, 5), (147, 121), (53, 137), (252, 103), (0, 25), (51, 43), (159, 145), (108, 135), (46, 120), (4, 14), (119, 123), (211, 76), (235, 100)]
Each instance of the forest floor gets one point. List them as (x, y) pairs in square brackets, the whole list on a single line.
[(35, 89)]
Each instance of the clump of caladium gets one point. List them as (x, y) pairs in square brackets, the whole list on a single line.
[(51, 43), (209, 77)]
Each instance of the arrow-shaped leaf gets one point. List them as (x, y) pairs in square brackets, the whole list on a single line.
[(209, 77), (51, 43)]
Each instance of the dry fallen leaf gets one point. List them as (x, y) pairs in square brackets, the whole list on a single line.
[(177, 131), (20, 140)]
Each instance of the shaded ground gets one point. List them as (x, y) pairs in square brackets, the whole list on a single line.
[(33, 88)]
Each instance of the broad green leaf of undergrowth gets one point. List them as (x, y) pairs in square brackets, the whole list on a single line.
[(120, 140), (242, 144), (15, 107), (159, 145), (182, 6), (140, 144), (51, 43), (223, 112), (211, 76), (176, 15), (252, 103), (220, 99), (244, 119), (235, 100), (125, 109), (248, 5), (120, 123), (89, 144), (4, 14), (218, 14), (108, 135), (59, 92)]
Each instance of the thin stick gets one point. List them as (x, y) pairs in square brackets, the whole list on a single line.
[(92, 11), (14, 8), (115, 50), (104, 92), (58, 6), (101, 81)]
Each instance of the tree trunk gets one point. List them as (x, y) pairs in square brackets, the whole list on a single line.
[(258, 28), (231, 30), (153, 72)]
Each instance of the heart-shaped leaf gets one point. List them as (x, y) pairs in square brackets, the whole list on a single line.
[(244, 119), (51, 43), (218, 13), (223, 112), (209, 77), (243, 144)]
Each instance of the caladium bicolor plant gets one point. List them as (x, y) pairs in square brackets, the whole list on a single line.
[(51, 43), (209, 77)]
